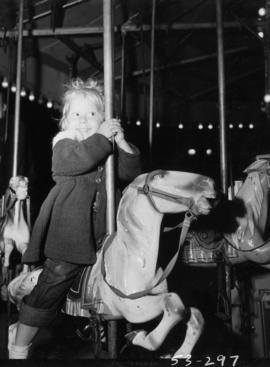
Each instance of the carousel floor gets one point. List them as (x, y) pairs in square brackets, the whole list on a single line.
[(60, 346)]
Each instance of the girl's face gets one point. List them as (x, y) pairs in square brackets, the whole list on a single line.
[(83, 115)]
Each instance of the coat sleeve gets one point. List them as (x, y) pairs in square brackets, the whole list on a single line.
[(129, 164), (71, 158)]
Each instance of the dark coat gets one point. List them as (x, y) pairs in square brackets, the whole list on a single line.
[(72, 220)]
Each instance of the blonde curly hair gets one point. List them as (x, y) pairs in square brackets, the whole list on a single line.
[(91, 88)]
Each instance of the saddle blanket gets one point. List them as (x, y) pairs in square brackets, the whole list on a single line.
[(84, 296)]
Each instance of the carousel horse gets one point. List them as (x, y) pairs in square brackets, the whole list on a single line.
[(245, 241), (235, 236), (125, 281), (14, 230)]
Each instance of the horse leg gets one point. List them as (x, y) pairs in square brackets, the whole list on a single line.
[(151, 306), (194, 331), (8, 248), (22, 247)]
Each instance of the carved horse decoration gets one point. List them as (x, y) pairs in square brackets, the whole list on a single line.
[(125, 280), (14, 228), (246, 241)]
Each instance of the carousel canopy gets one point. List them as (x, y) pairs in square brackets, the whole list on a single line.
[(64, 38)]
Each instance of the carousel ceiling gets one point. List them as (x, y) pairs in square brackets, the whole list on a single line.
[(64, 38)]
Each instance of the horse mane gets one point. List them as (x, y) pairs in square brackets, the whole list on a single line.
[(222, 217)]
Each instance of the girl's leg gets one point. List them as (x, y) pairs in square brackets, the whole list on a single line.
[(25, 334), (20, 337), (40, 307)]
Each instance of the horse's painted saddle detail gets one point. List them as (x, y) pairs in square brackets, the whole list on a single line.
[(206, 247)]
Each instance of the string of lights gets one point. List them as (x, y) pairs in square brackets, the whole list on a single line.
[(31, 96)]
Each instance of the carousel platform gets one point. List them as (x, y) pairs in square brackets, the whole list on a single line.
[(59, 345)]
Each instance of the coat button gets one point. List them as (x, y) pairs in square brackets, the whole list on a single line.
[(100, 168), (98, 180)]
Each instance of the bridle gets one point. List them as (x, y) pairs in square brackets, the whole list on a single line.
[(150, 192)]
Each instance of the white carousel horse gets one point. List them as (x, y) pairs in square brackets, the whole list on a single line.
[(246, 242), (14, 230), (125, 280)]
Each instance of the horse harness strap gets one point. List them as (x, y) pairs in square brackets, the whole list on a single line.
[(189, 217)]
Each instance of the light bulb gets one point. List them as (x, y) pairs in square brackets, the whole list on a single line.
[(23, 92), (49, 104), (5, 82), (191, 151), (266, 98), (262, 12), (31, 96)]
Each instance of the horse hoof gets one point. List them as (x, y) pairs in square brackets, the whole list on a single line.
[(131, 336)]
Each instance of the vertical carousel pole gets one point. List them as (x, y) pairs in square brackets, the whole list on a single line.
[(123, 73), (152, 65), (18, 91), (222, 136), (108, 95), (108, 43), (221, 94)]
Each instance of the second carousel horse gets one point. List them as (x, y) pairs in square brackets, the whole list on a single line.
[(14, 229)]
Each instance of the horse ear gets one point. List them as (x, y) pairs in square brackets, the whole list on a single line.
[(257, 166)]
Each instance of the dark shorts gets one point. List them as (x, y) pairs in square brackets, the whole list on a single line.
[(41, 306)]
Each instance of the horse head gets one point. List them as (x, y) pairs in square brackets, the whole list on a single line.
[(240, 233), (173, 191), (18, 186)]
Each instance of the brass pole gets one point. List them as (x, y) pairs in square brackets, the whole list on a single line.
[(152, 66), (221, 96), (108, 43), (123, 72), (222, 136), (108, 95), (18, 92)]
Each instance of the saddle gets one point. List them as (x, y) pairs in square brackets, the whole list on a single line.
[(84, 296)]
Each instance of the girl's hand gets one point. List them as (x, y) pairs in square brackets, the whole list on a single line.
[(121, 141), (109, 128), (119, 136)]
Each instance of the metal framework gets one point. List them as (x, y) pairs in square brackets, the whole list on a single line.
[(98, 30)]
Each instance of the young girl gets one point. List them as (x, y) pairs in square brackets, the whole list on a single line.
[(72, 219)]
